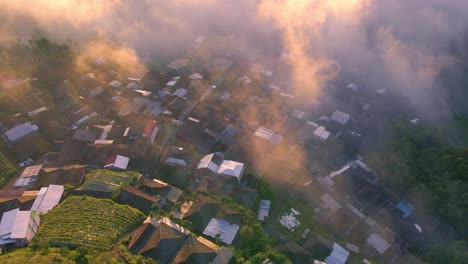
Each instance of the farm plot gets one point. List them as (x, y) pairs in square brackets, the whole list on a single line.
[(87, 221), (7, 169), (104, 183)]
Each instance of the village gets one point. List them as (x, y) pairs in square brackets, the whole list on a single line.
[(213, 157)]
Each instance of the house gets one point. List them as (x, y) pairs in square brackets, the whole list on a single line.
[(179, 66), (378, 243), (215, 165), (339, 255), (196, 250), (168, 243), (28, 177), (222, 228), (20, 132), (268, 135), (341, 118), (199, 211), (202, 209), (140, 200), (223, 256), (47, 198), (263, 210), (84, 134), (17, 198), (151, 130), (72, 175), (159, 188), (117, 162), (175, 156), (18, 227), (158, 239), (322, 133)]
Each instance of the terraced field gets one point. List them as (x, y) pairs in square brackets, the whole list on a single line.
[(89, 222)]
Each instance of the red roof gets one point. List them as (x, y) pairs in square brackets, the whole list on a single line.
[(150, 126), (110, 160)]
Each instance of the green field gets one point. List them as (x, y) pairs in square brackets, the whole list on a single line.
[(89, 222), (7, 169), (105, 181)]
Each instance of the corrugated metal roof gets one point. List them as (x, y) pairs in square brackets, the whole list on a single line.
[(7, 223), (339, 255), (226, 230), (340, 117), (47, 198), (264, 209), (231, 168), (378, 243), (20, 131)]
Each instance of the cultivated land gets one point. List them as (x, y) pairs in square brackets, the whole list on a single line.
[(7, 169), (104, 181), (89, 222)]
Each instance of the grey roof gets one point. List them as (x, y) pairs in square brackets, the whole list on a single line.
[(340, 117), (264, 209), (226, 230), (339, 255), (20, 131), (378, 243)]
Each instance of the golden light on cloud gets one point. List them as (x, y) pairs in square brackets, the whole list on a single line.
[(301, 23)]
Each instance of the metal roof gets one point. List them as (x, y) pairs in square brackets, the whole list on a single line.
[(329, 203), (340, 117), (264, 209), (20, 131), (47, 198), (378, 243), (231, 168), (322, 133), (226, 230), (339, 255)]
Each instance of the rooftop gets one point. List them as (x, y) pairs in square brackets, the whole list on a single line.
[(20, 131), (226, 230)]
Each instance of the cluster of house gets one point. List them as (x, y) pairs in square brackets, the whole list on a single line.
[(21, 213), (175, 125)]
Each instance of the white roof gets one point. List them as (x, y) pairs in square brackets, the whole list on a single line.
[(37, 111), (231, 168), (322, 133), (339, 255), (226, 230), (378, 243), (25, 182), (115, 83), (264, 133), (269, 135), (206, 162), (17, 224), (21, 228), (264, 209), (20, 131), (47, 198), (7, 223), (121, 162), (340, 117), (173, 81)]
